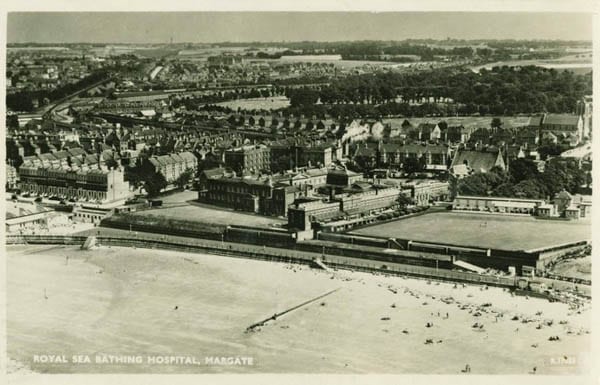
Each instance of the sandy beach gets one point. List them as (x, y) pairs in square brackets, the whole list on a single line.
[(118, 301)]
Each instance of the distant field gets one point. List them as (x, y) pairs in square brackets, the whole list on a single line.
[(467, 121), (335, 60), (155, 52), (271, 103), (566, 62), (481, 230)]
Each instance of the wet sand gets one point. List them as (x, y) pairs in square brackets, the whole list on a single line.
[(122, 301)]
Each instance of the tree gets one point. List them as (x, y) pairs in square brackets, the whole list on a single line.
[(184, 178), (551, 150), (404, 201), (482, 184), (496, 123), (154, 183), (521, 169), (411, 165), (111, 163), (530, 188), (284, 162)]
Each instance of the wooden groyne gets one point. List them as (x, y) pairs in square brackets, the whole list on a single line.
[(277, 315)]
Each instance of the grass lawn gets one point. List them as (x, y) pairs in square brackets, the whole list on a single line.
[(270, 103), (481, 230), (467, 121)]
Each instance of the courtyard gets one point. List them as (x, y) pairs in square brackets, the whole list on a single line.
[(183, 205)]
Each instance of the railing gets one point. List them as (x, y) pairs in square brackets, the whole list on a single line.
[(158, 241), (566, 278)]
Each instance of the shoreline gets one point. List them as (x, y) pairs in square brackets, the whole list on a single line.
[(143, 286)]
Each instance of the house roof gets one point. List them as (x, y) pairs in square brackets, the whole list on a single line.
[(365, 151), (481, 161), (186, 155), (315, 172), (76, 151), (561, 119), (214, 172), (426, 127), (414, 148), (563, 195), (513, 150), (535, 121), (460, 170), (527, 133)]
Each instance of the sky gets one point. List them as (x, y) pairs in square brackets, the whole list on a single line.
[(210, 27)]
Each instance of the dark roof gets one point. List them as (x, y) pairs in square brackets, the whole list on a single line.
[(527, 132), (535, 121), (365, 151), (481, 131), (414, 148), (457, 129), (426, 127)]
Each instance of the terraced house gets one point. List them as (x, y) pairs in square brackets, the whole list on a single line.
[(434, 157), (80, 182)]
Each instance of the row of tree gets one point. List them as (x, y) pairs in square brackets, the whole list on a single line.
[(24, 100), (146, 176), (524, 180)]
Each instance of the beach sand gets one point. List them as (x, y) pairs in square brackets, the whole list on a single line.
[(121, 301)]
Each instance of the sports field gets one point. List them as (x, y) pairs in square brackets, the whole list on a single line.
[(481, 230)]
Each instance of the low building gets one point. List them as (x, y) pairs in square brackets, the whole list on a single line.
[(546, 210), (359, 204), (566, 205), (564, 125), (88, 214), (424, 192), (497, 204), (302, 213), (25, 216), (559, 127)]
